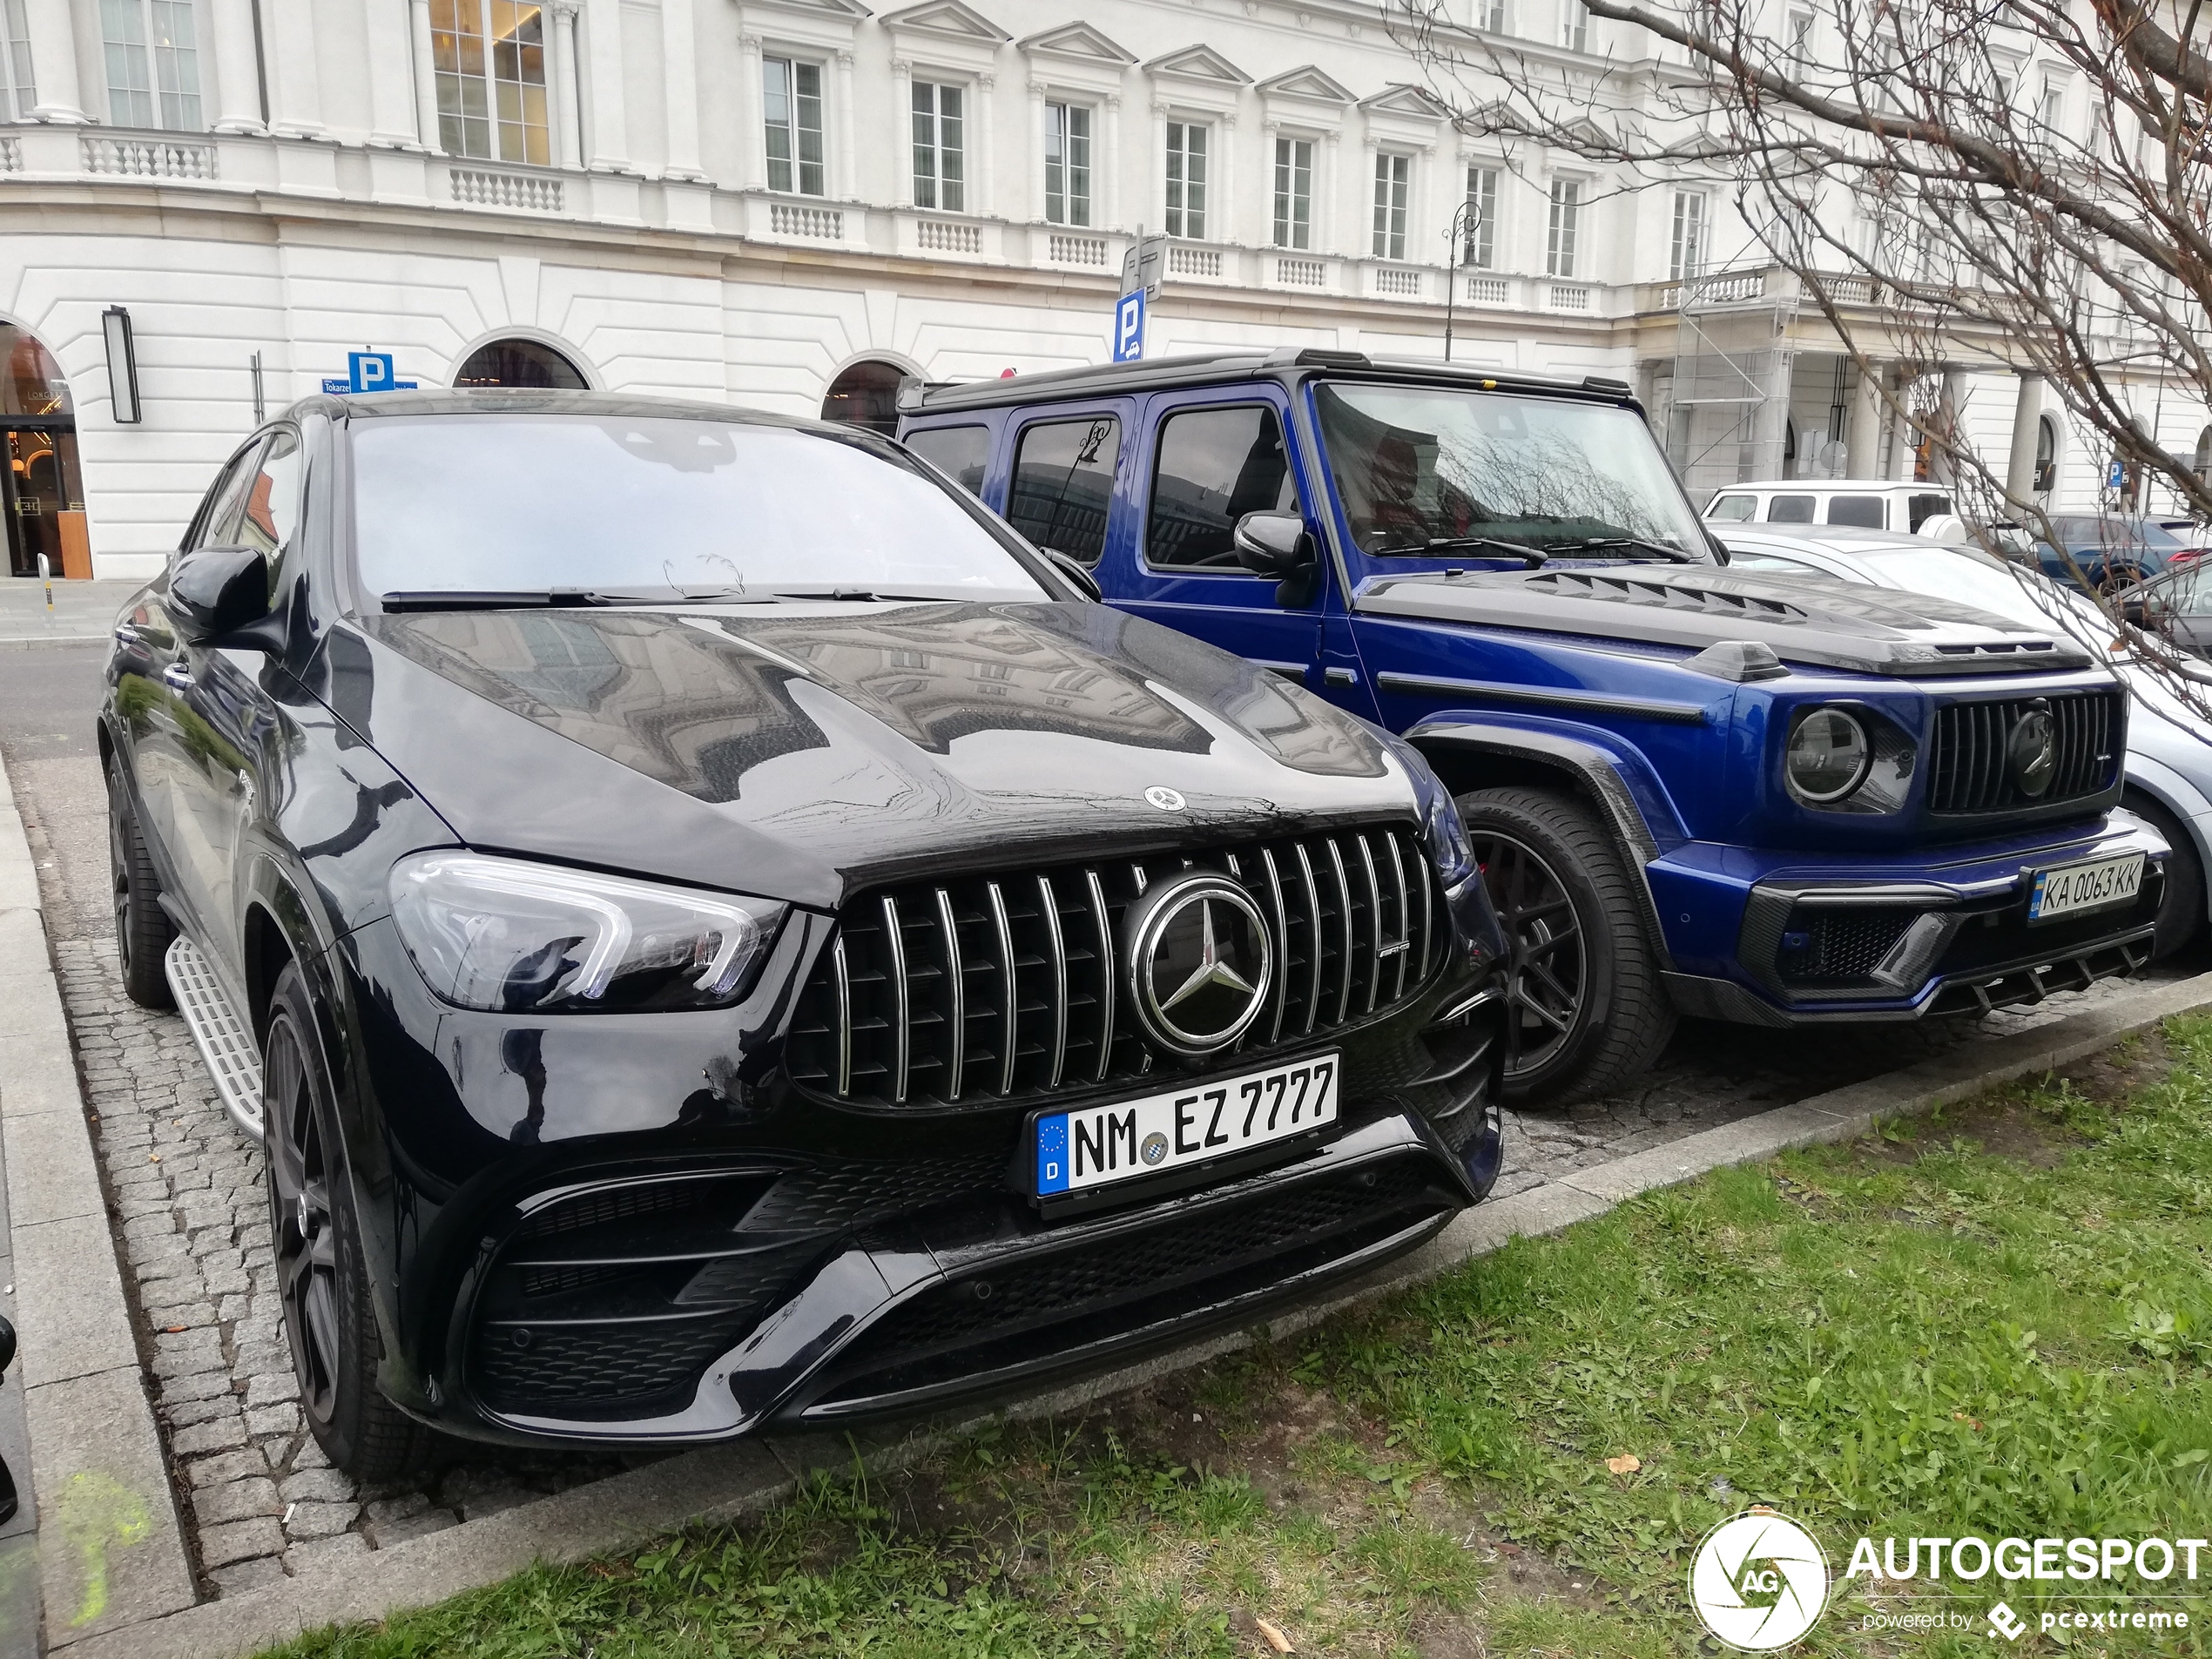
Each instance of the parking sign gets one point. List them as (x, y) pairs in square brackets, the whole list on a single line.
[(369, 371), (1129, 327)]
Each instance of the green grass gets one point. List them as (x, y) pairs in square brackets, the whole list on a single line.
[(1921, 1336)]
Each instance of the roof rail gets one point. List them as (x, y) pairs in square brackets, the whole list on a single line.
[(1316, 357), (1606, 383)]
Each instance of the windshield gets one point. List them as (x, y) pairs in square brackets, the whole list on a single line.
[(2113, 532), (1419, 465), (607, 503)]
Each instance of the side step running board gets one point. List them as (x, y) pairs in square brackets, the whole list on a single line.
[(225, 1042)]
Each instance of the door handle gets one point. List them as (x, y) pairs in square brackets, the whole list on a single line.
[(177, 677), (1340, 677)]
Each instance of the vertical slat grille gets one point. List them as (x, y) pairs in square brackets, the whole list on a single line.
[(1971, 770), (970, 992)]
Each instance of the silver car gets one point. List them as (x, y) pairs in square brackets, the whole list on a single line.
[(2169, 764)]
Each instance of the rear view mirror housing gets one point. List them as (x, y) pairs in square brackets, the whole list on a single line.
[(1272, 544), (215, 592), (1078, 573)]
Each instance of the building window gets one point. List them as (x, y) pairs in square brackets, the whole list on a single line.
[(1686, 258), (523, 363), (1566, 226), (1294, 192), (1066, 163), (488, 57), (1490, 15), (940, 148), (152, 63), (2052, 113), (792, 105), (1393, 180), (18, 92), (1797, 31), (1186, 181), (1480, 249), (1574, 26)]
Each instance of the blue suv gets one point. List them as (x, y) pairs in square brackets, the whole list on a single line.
[(1692, 791)]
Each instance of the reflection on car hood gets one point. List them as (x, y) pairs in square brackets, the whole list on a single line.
[(802, 751), (1828, 624)]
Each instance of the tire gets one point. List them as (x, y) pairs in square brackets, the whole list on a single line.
[(1586, 1013), (143, 930), (2181, 914), (322, 1276)]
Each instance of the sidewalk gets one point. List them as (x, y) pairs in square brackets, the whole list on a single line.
[(83, 612)]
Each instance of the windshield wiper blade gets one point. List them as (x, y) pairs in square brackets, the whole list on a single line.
[(557, 598), (862, 595), (1641, 543), (1534, 555)]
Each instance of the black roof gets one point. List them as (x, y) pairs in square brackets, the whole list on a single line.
[(521, 400), (1203, 368)]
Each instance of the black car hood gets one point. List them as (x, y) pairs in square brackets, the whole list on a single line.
[(805, 752), (1826, 625)]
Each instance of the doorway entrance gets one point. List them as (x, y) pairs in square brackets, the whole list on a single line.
[(866, 394), (42, 491)]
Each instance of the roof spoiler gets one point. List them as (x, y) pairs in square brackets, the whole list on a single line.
[(1604, 383), (1317, 357)]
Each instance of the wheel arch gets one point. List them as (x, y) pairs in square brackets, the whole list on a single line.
[(2177, 794)]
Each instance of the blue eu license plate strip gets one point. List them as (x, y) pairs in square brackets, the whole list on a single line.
[(1100, 1145)]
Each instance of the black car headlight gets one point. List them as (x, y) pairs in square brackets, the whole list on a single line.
[(503, 934), (1828, 756)]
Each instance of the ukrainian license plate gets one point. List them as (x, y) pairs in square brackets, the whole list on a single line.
[(1095, 1146), (2067, 889)]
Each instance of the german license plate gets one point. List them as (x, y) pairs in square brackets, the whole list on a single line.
[(2068, 889), (1100, 1145)]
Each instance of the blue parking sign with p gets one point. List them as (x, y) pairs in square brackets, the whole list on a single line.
[(368, 371), (1129, 327)]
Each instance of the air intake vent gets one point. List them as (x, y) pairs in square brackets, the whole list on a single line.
[(1663, 596), (1971, 769), (998, 989)]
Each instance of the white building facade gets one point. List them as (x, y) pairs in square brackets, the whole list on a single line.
[(785, 203)]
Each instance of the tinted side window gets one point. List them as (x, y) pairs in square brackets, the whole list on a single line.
[(1733, 509), (272, 499), (1790, 510), (958, 450), (1214, 467), (219, 520), (1064, 484), (1920, 508), (1865, 511)]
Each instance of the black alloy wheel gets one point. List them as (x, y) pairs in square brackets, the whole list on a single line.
[(1587, 1013), (143, 930), (322, 1282)]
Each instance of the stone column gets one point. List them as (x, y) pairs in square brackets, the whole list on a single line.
[(1033, 195), (752, 138), (391, 76), (53, 63), (1863, 429), (295, 79), (426, 75), (680, 52), (1221, 192), (569, 121), (2028, 421), (979, 171), (1326, 190), (238, 75), (609, 142), (902, 124), (844, 168), (1107, 168)]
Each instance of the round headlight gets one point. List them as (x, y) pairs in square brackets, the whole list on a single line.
[(1828, 756)]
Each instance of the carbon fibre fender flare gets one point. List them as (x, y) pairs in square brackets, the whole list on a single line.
[(1600, 772)]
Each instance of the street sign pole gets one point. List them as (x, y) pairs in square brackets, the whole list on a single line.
[(1141, 267)]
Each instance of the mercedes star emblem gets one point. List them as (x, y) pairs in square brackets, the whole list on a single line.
[(1200, 963), (2032, 751)]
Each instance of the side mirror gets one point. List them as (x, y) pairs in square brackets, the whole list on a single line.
[(1272, 544), (218, 590), (1076, 572)]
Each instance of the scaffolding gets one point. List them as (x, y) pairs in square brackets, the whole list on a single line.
[(1728, 411)]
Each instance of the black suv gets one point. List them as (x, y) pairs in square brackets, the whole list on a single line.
[(716, 931)]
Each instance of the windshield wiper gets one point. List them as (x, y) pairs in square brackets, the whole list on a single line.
[(1640, 543), (862, 595), (556, 598), (1534, 555)]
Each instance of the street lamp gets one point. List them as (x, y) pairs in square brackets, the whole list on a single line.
[(1463, 219)]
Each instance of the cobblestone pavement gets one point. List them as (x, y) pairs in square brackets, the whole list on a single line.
[(258, 1498)]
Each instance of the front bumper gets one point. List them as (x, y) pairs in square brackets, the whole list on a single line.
[(1903, 938)]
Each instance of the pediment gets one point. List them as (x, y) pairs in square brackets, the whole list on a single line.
[(1199, 64), (1079, 40), (850, 11), (948, 18), (1415, 102), (1308, 82)]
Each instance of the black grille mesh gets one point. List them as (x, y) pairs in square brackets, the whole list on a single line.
[(600, 1370), (1839, 944), (993, 988), (1971, 770)]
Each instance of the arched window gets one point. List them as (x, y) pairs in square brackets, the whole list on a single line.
[(42, 493), (2202, 464), (520, 363), (2046, 454), (30, 382), (866, 394)]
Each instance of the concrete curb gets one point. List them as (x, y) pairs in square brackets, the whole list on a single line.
[(50, 641), (730, 1482), (111, 1554)]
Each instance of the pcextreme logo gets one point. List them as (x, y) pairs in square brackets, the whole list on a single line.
[(1758, 1582)]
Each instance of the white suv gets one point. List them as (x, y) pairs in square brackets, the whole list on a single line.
[(1866, 503)]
